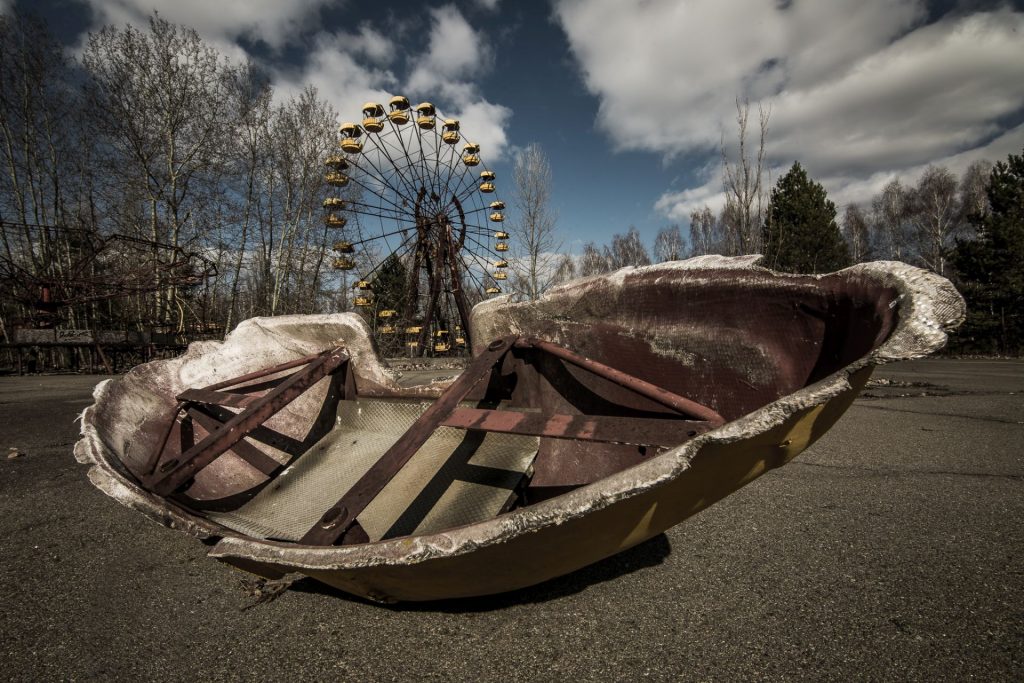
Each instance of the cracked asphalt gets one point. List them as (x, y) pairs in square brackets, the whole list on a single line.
[(891, 550)]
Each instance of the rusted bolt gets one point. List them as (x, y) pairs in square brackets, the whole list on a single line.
[(334, 517)]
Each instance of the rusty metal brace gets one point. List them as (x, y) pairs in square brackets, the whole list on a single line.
[(167, 477)]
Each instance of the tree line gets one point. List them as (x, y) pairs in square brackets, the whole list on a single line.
[(155, 136)]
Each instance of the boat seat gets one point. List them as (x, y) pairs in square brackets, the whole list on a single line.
[(456, 477)]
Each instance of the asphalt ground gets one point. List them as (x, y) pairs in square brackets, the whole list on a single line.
[(891, 550)]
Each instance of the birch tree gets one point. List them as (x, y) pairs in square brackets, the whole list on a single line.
[(533, 226), (744, 181), (668, 245)]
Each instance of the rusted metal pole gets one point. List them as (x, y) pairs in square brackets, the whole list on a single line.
[(649, 431), (342, 515), (645, 389), (174, 473), (265, 372)]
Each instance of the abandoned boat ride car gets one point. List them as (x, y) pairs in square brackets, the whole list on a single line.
[(586, 422)]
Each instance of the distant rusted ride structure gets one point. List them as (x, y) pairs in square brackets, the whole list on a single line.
[(46, 270)]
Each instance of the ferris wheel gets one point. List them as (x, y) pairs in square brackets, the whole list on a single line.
[(417, 223)]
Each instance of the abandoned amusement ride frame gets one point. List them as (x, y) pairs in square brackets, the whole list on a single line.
[(47, 270), (418, 223)]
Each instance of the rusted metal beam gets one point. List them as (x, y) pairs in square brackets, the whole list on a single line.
[(218, 398), (600, 428), (243, 449), (176, 472), (635, 384), (264, 372), (342, 515)]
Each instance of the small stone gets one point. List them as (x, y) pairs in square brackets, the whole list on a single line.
[(13, 453)]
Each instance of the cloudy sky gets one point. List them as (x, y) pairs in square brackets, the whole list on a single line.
[(630, 100)]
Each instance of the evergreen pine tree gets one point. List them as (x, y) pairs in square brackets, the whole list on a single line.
[(800, 234), (991, 267)]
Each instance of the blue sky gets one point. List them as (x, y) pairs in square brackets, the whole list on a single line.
[(630, 100)]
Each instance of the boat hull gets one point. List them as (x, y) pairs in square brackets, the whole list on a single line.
[(904, 313)]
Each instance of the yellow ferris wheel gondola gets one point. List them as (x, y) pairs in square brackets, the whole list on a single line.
[(336, 179), (363, 285), (426, 116), (335, 203), (451, 131), (497, 206), (344, 247), (500, 275), (350, 134), (492, 290), (362, 301), (373, 117), (333, 220), (497, 217), (501, 235), (343, 263), (487, 181), (336, 163), (501, 246), (399, 113), (471, 154)]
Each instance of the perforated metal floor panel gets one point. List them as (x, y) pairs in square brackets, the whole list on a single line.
[(457, 477)]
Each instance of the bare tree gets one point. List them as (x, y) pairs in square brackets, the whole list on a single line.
[(936, 216), (891, 212), (565, 271), (856, 232), (249, 92), (974, 191), (668, 245), (157, 100), (627, 250), (534, 225), (592, 262), (744, 182), (702, 231), (301, 135)]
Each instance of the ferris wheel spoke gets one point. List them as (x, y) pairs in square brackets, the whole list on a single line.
[(378, 194), (377, 175), (382, 148)]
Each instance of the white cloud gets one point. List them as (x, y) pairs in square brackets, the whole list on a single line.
[(858, 91), (353, 68), (455, 52), (220, 21), (456, 55), (347, 68), (335, 67)]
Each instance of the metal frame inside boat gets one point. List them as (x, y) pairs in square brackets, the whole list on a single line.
[(259, 395)]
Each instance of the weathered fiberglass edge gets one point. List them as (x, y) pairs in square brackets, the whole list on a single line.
[(928, 306)]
